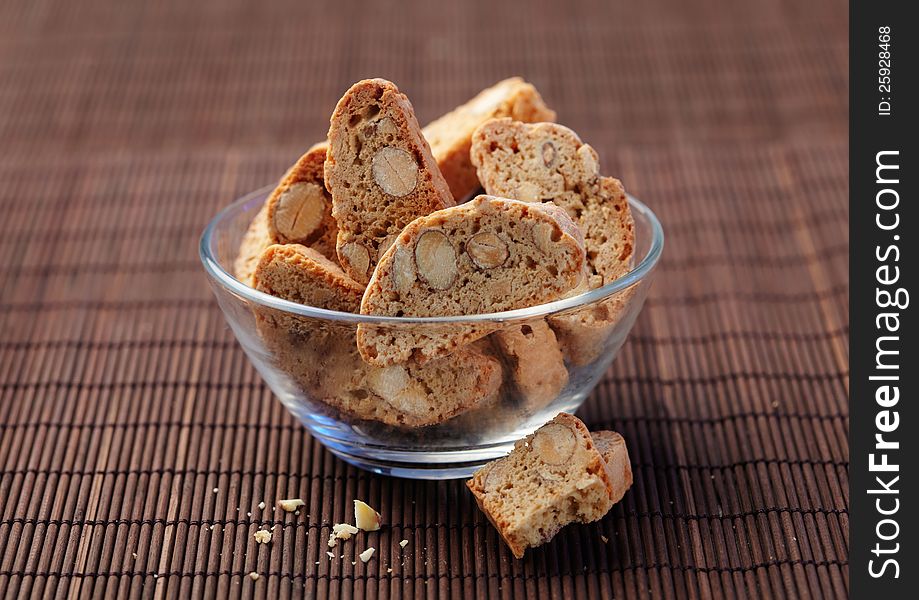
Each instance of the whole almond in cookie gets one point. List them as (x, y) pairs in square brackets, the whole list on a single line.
[(488, 255), (450, 136), (298, 211), (380, 172)]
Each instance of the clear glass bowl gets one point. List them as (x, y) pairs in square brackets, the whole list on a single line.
[(383, 419)]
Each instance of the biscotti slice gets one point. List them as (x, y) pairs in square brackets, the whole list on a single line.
[(303, 275), (300, 208), (488, 255), (535, 361), (254, 242), (553, 477), (548, 162), (380, 172), (322, 357), (450, 136), (612, 448)]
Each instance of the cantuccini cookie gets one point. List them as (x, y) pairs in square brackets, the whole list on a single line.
[(380, 172), (553, 477), (322, 357), (612, 448), (488, 255), (254, 242), (298, 210), (450, 136), (535, 361), (548, 162), (303, 275)]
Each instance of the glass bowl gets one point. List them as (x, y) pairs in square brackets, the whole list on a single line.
[(448, 417)]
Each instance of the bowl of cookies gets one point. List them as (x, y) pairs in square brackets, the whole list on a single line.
[(422, 298)]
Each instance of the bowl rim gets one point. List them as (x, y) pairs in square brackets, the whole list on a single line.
[(229, 282)]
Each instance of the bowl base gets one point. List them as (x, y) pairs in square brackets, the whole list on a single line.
[(412, 470)]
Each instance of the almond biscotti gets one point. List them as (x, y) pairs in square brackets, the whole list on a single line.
[(298, 210), (548, 162), (322, 357), (612, 448), (535, 361), (553, 477), (254, 242), (303, 275), (380, 172), (450, 136), (488, 255)]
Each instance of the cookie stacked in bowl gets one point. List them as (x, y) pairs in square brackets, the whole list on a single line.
[(386, 218)]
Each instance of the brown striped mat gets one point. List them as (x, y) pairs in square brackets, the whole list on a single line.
[(125, 401)]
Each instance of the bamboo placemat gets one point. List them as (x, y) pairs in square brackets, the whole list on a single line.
[(125, 402)]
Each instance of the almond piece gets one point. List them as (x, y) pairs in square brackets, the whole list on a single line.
[(548, 154), (290, 505), (545, 236), (396, 387), (528, 192), (403, 269), (387, 242), (436, 259), (487, 250), (357, 256), (554, 443), (262, 536), (365, 517), (411, 400), (341, 531), (389, 382), (366, 554), (395, 171), (299, 212), (590, 161)]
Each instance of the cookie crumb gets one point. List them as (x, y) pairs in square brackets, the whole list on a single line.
[(331, 556), (262, 536), (366, 554), (216, 490), (253, 576), (341, 531), (261, 505), (403, 543), (291, 504), (605, 539)]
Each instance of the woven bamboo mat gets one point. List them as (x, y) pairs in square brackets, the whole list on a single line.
[(125, 402)]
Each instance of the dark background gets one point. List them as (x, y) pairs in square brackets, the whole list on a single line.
[(124, 400)]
